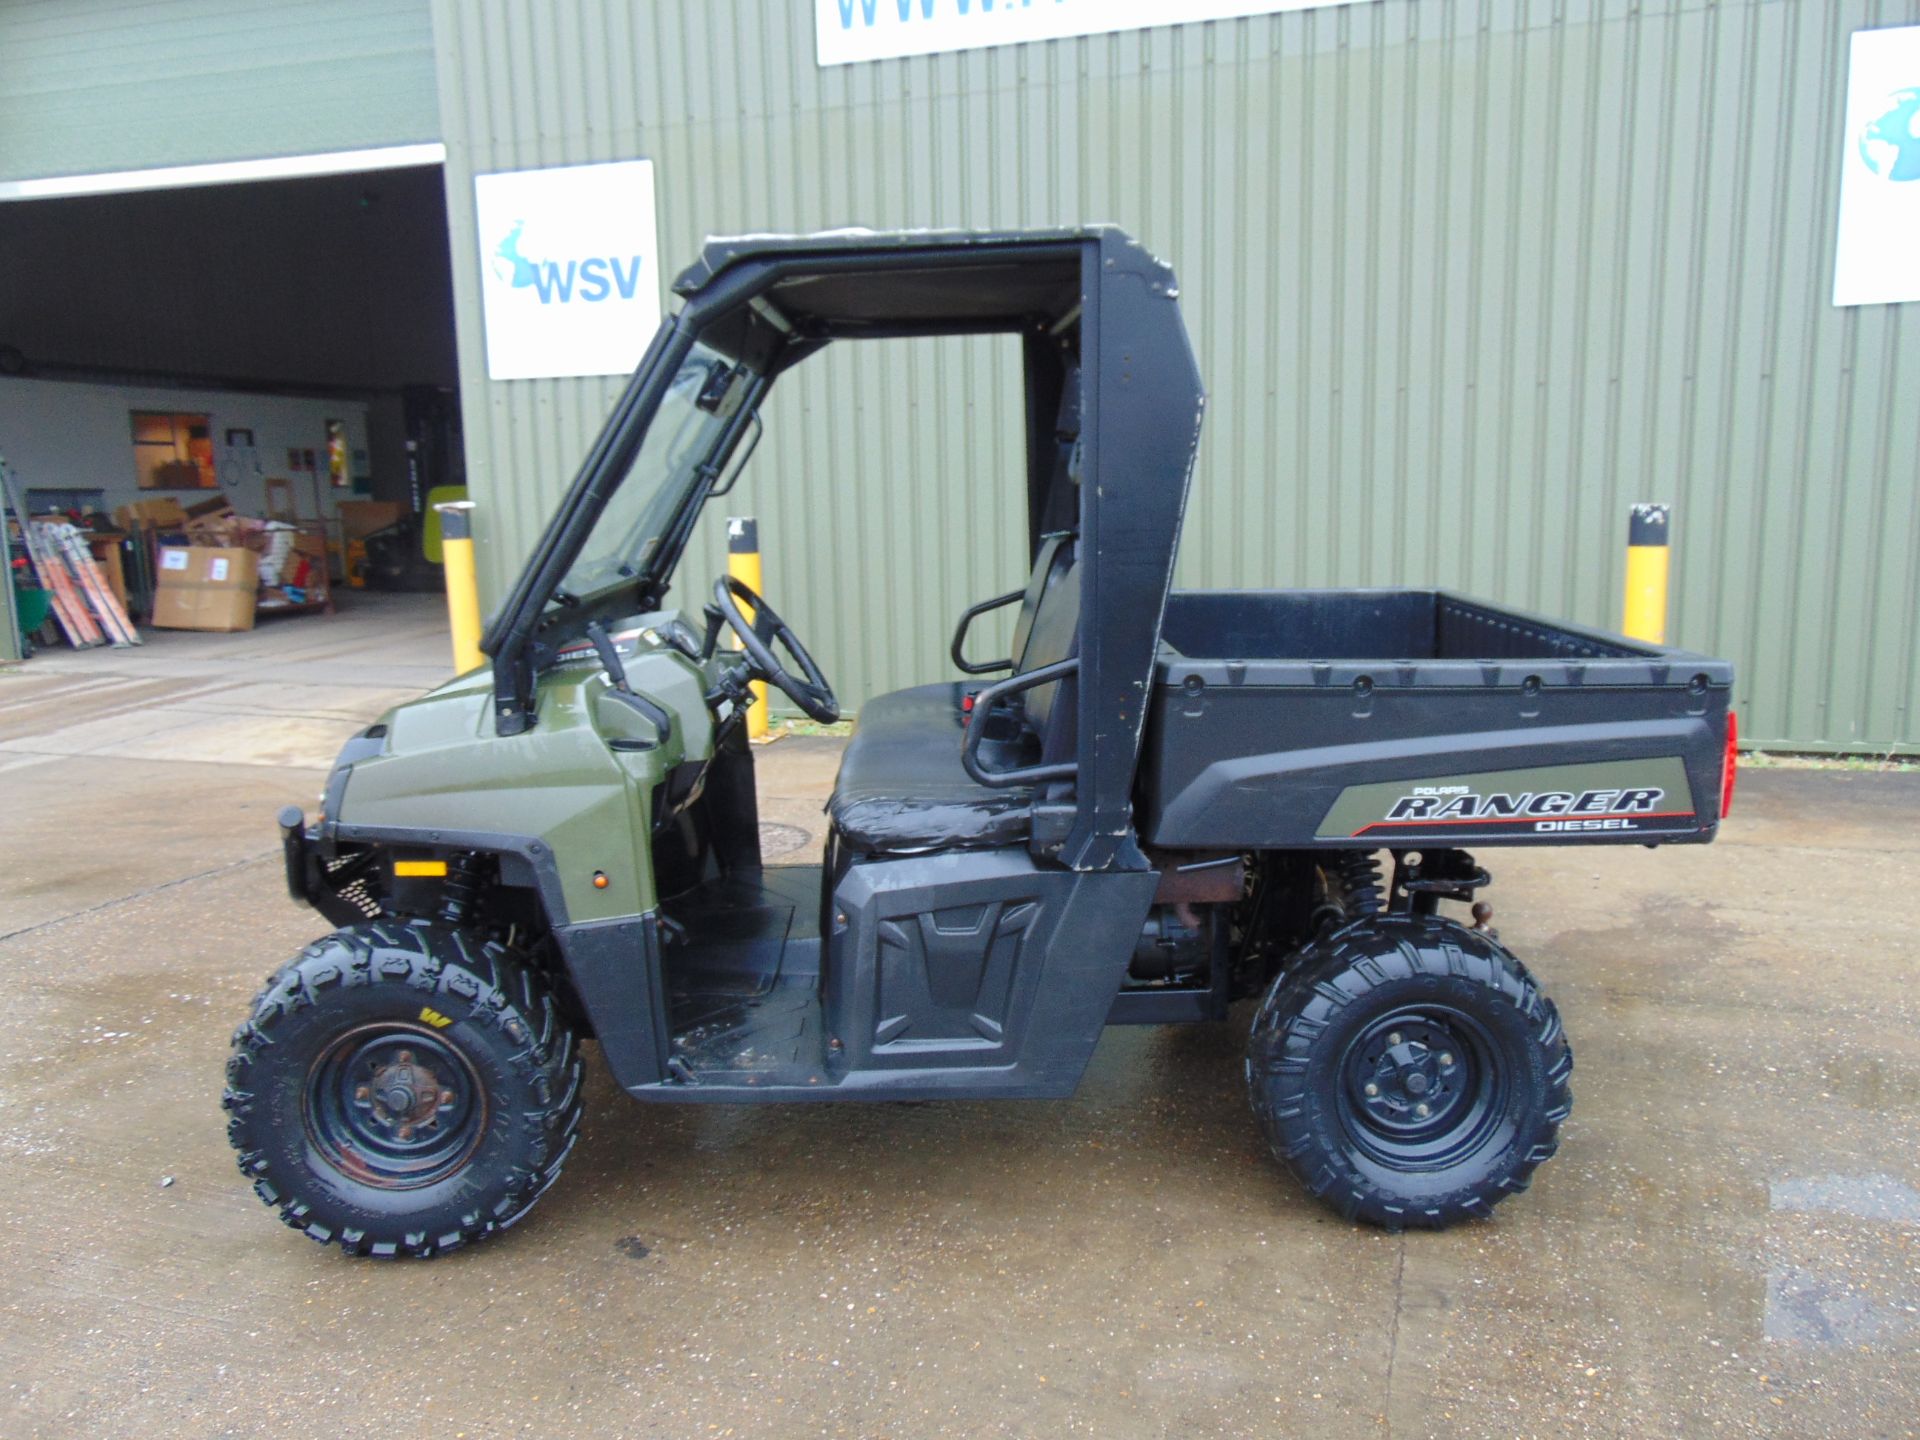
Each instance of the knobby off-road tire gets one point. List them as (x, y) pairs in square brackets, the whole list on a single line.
[(402, 1089), (1409, 1071)]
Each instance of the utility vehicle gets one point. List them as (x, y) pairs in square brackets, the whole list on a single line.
[(1155, 804)]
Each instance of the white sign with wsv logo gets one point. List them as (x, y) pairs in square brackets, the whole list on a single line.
[(569, 269), (852, 30)]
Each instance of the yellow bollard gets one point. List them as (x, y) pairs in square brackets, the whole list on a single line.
[(1646, 609), (743, 564), (463, 586)]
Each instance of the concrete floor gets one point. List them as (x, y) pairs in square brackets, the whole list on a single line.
[(1728, 1243)]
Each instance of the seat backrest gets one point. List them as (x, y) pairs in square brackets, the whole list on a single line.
[(1053, 628), (1054, 636), (1052, 601), (1037, 584)]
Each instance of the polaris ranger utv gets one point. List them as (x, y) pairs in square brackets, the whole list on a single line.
[(1155, 804)]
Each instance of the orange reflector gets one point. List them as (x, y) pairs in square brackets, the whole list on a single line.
[(418, 869), (599, 880)]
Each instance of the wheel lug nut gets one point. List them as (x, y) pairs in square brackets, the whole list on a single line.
[(406, 1057), (406, 1132), (1394, 1038), (1446, 1057), (446, 1097), (1422, 1110), (360, 1092), (1372, 1089)]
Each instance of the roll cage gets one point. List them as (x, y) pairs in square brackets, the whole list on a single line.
[(1094, 311)]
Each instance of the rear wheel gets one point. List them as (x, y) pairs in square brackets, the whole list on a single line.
[(1409, 1071), (403, 1089)]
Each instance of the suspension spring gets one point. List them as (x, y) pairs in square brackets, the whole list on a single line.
[(1357, 875), (462, 889)]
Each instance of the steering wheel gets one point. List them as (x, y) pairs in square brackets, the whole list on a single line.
[(813, 694)]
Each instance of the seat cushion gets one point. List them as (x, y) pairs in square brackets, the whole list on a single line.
[(902, 790)]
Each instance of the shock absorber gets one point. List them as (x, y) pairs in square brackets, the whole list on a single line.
[(1356, 875), (462, 889)]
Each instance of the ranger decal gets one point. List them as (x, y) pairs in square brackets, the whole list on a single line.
[(1555, 800)]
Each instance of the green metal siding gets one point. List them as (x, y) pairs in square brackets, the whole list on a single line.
[(1466, 278), (98, 85)]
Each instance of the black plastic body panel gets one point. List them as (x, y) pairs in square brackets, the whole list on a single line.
[(974, 974), (1304, 696), (978, 973), (524, 860), (615, 968)]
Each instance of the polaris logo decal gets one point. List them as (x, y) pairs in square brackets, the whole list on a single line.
[(1565, 800)]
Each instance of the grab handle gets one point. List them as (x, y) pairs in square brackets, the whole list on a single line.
[(976, 730)]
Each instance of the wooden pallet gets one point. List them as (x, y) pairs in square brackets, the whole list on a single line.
[(71, 547), (68, 608), (76, 621), (71, 587)]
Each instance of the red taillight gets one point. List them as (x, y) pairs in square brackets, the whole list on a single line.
[(1731, 772)]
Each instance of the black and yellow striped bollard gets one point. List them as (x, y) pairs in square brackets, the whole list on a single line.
[(463, 584), (1648, 528), (743, 564)]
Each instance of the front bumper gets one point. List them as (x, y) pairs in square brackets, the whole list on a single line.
[(333, 885)]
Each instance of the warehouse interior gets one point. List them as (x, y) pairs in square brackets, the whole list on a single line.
[(265, 367)]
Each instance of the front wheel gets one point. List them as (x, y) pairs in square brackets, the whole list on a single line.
[(1409, 1071), (403, 1088)]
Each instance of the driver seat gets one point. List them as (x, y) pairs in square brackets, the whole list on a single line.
[(902, 790)]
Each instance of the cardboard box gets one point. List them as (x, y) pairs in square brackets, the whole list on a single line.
[(163, 513), (360, 518), (176, 475), (303, 578), (224, 531), (202, 587), (210, 509)]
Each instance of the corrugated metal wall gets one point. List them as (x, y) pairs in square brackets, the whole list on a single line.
[(96, 85), (1466, 278)]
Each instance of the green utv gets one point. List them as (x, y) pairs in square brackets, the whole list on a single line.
[(1161, 802)]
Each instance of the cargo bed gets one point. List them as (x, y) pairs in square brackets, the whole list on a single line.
[(1397, 718)]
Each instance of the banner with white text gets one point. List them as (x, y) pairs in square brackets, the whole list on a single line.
[(849, 31)]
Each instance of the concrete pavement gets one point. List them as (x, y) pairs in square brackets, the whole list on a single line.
[(1728, 1242)]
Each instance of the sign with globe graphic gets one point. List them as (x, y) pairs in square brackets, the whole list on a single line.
[(1890, 143), (1877, 257)]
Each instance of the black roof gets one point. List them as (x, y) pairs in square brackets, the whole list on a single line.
[(723, 252)]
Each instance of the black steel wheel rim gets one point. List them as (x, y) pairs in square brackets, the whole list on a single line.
[(1422, 1087), (395, 1106)]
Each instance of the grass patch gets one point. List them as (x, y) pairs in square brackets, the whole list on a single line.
[(800, 725), (1887, 764)]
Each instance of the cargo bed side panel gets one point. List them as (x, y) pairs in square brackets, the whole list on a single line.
[(1281, 769), (1488, 727)]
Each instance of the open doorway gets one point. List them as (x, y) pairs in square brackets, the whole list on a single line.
[(265, 366)]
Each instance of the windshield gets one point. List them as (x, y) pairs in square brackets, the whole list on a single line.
[(641, 508)]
